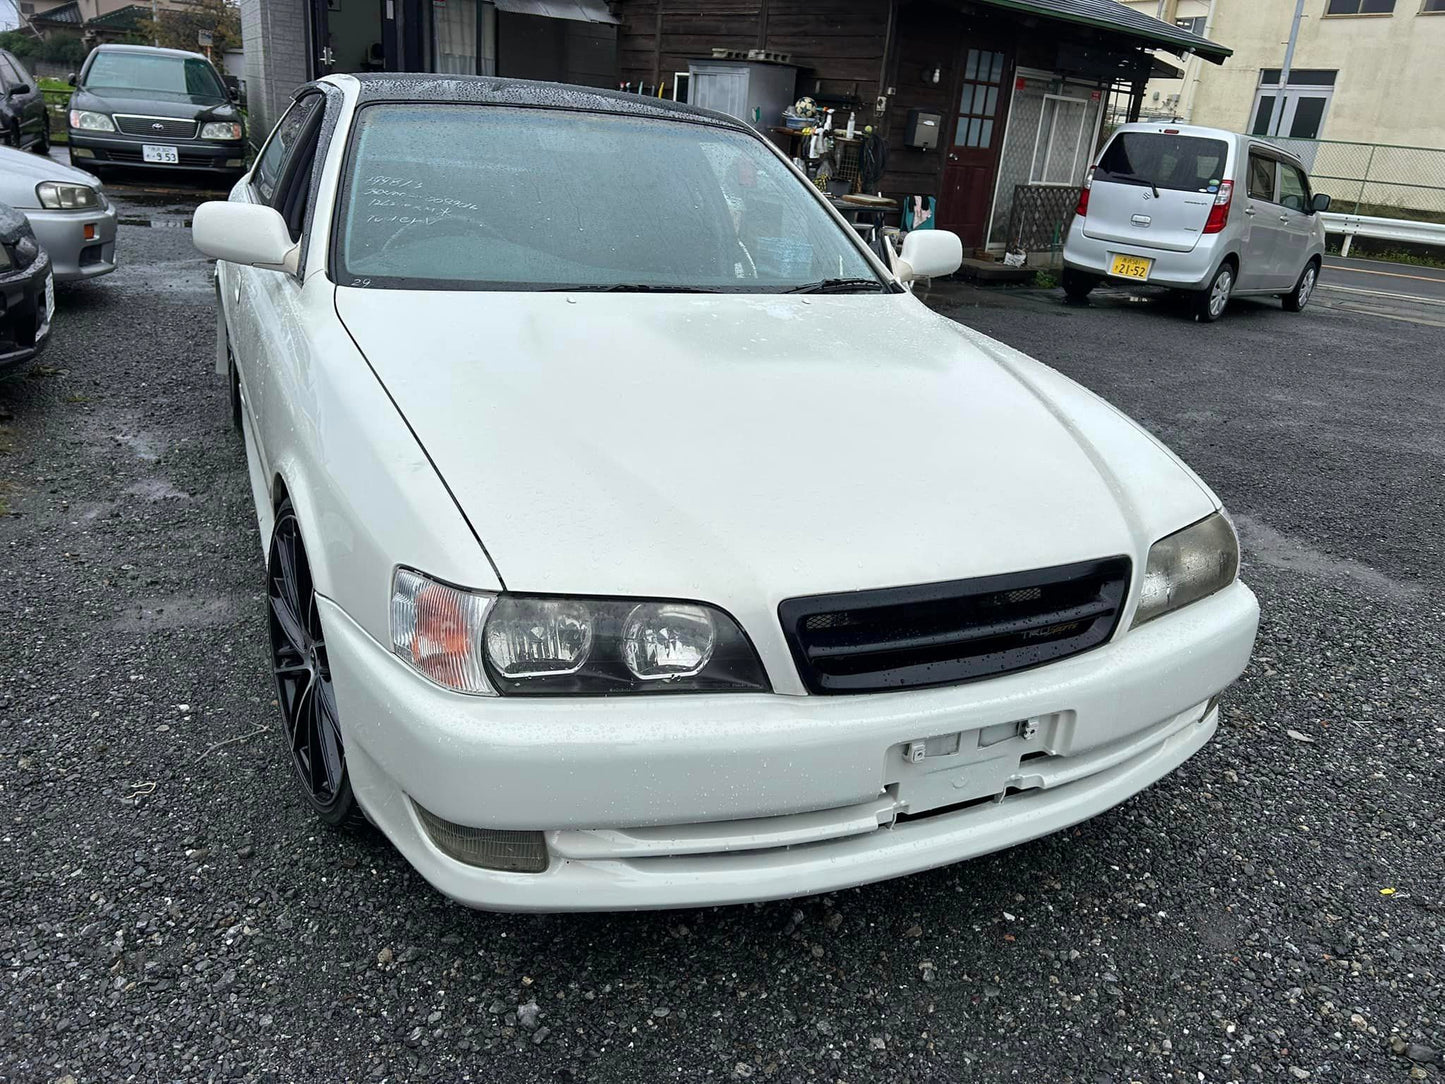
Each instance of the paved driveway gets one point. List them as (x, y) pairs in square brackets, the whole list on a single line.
[(1271, 912)]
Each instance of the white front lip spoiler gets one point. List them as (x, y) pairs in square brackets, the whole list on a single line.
[(752, 796)]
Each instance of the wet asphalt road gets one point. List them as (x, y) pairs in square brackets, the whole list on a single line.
[(1273, 911)]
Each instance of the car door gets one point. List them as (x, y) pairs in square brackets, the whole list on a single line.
[(249, 292), (1259, 256), (275, 369), (1298, 221)]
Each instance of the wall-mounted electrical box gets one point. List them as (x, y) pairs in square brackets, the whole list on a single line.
[(921, 132)]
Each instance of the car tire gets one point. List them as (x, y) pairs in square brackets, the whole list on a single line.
[(1211, 303), (1299, 297), (1077, 285), (310, 722)]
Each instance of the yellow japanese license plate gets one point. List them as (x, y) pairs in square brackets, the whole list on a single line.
[(1131, 267)]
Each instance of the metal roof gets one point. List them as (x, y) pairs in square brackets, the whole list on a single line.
[(1115, 17), (65, 13), (582, 11)]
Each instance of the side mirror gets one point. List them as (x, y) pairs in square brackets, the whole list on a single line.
[(71, 79), (245, 233), (1320, 202), (929, 254), (21, 88)]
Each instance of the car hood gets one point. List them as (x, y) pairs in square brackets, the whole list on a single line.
[(20, 172), (743, 449), (152, 103)]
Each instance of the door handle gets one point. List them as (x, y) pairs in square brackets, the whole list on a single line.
[(952, 157), (1284, 218), (1249, 210)]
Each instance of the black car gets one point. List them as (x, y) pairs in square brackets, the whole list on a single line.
[(27, 292), (148, 108), (24, 121)]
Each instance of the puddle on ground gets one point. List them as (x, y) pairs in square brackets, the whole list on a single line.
[(146, 446), (1264, 544), (156, 489), (180, 612)]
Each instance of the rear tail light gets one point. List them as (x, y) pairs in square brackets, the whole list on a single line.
[(1219, 213), (1083, 206)]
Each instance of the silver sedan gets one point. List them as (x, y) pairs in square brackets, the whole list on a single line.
[(67, 209)]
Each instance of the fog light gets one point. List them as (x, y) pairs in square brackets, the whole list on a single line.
[(82, 152), (488, 848), (235, 163)]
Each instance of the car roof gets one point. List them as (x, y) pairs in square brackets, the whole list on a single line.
[(154, 49), (1198, 130), (493, 90)]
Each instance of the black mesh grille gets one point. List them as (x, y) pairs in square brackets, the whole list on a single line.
[(159, 127), (945, 633)]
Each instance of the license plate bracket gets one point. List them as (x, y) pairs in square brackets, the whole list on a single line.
[(159, 154)]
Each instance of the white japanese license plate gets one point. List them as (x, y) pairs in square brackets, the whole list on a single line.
[(49, 297), (153, 152)]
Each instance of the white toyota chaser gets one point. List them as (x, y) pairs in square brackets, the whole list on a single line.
[(635, 538)]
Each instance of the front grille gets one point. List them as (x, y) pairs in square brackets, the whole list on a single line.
[(946, 633), (158, 127)]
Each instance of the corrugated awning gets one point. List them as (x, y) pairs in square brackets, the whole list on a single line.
[(1115, 17), (582, 11)]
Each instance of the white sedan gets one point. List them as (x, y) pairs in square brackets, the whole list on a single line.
[(636, 539)]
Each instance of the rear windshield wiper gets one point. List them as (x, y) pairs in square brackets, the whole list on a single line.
[(1134, 178), (629, 288), (840, 286)]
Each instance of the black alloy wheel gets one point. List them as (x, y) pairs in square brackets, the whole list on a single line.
[(309, 719)]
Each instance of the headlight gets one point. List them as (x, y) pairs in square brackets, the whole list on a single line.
[(87, 121), (1188, 566), (63, 196), (476, 642), (217, 129)]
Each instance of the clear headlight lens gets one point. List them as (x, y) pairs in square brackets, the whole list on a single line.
[(537, 637), (438, 630), (663, 640), (64, 196), (1187, 566), (87, 121), (218, 129)]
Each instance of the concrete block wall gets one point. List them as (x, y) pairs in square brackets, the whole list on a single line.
[(273, 33)]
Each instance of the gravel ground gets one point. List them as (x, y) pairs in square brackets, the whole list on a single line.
[(1273, 911)]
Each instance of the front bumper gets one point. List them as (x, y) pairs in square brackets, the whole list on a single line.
[(90, 149), (74, 255), (1192, 270), (694, 800), (24, 326)]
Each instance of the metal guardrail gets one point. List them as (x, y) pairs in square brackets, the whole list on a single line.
[(1402, 230)]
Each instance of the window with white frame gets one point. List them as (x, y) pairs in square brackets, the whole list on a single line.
[(1063, 142)]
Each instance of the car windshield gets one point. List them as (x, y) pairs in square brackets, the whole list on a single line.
[(1178, 162), (161, 74), (483, 197)]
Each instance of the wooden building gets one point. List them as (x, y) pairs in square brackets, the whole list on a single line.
[(1021, 86)]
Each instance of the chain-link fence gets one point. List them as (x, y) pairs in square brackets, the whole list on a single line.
[(1375, 178)]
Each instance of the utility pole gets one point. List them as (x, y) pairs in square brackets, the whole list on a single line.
[(1277, 114), (156, 22)]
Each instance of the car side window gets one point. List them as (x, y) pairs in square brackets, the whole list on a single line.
[(1294, 190), (22, 74), (294, 191), (271, 166), (1261, 178), (7, 70)]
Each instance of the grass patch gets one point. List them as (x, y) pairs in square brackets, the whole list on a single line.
[(42, 372), (1045, 280), (1366, 248), (77, 398)]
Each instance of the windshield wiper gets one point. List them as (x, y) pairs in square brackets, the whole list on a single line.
[(629, 288), (1134, 177), (840, 286)]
